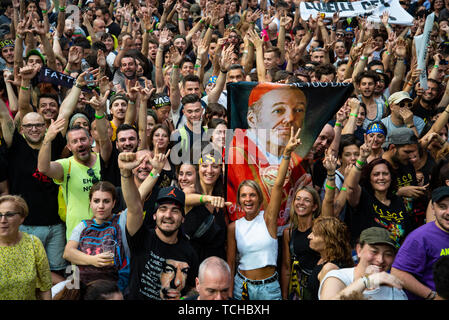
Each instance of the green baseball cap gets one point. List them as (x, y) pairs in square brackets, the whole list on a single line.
[(37, 53), (377, 235)]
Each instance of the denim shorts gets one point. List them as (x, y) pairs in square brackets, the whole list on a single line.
[(54, 240), (265, 291)]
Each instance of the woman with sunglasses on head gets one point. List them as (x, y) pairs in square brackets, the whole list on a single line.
[(25, 271), (86, 247), (205, 222), (254, 237)]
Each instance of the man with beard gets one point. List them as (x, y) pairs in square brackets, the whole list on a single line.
[(152, 251), (316, 155), (127, 141), (402, 147), (425, 105), (365, 84), (414, 261), (40, 193), (78, 173), (127, 71)]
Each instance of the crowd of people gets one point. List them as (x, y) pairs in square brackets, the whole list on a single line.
[(98, 97)]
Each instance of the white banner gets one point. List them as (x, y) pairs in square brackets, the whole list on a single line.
[(373, 9), (421, 43)]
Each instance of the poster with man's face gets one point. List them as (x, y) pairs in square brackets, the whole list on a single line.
[(261, 117)]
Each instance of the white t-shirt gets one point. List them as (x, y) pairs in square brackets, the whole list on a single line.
[(346, 275)]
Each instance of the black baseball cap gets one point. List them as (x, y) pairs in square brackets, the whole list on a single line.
[(440, 193), (170, 195)]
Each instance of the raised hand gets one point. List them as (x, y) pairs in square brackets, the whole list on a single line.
[(29, 72), (158, 160), (53, 129), (127, 161), (293, 142), (330, 162)]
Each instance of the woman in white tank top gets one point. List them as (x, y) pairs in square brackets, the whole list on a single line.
[(254, 237)]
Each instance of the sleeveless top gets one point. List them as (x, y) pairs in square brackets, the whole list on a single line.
[(255, 245), (379, 113)]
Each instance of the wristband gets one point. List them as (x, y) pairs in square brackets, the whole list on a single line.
[(180, 19), (329, 187), (353, 114), (62, 9), (286, 157), (337, 124), (197, 66), (99, 117), (44, 11), (150, 30), (201, 198), (125, 23), (436, 66), (18, 36), (130, 174), (154, 176), (211, 26), (201, 20), (226, 71), (363, 58), (131, 102), (387, 53), (24, 88), (343, 189), (360, 162), (175, 66), (78, 85)]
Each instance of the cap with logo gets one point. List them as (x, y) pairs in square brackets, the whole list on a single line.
[(170, 195), (160, 100)]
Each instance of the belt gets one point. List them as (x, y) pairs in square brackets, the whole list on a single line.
[(271, 279)]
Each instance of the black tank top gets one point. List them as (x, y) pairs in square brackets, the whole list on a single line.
[(306, 256)]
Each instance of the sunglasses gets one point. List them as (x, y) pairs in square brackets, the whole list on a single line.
[(91, 174), (340, 34), (407, 104)]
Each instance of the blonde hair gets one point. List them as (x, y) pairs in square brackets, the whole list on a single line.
[(316, 201), (18, 201), (252, 184)]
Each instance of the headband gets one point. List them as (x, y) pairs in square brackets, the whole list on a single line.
[(375, 128), (6, 43)]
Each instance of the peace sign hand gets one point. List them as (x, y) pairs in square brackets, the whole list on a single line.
[(293, 142)]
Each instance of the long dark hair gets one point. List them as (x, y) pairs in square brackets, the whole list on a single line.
[(366, 177)]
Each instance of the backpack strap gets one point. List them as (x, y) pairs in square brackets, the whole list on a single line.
[(67, 184), (290, 244)]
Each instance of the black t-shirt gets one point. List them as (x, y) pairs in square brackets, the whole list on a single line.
[(3, 160), (210, 242), (110, 171), (155, 265), (38, 190), (307, 257), (370, 212), (423, 113), (114, 29)]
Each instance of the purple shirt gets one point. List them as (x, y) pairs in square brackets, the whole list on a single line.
[(420, 250)]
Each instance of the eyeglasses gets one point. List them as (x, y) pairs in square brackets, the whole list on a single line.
[(31, 125), (91, 174), (8, 215), (340, 34), (405, 104)]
